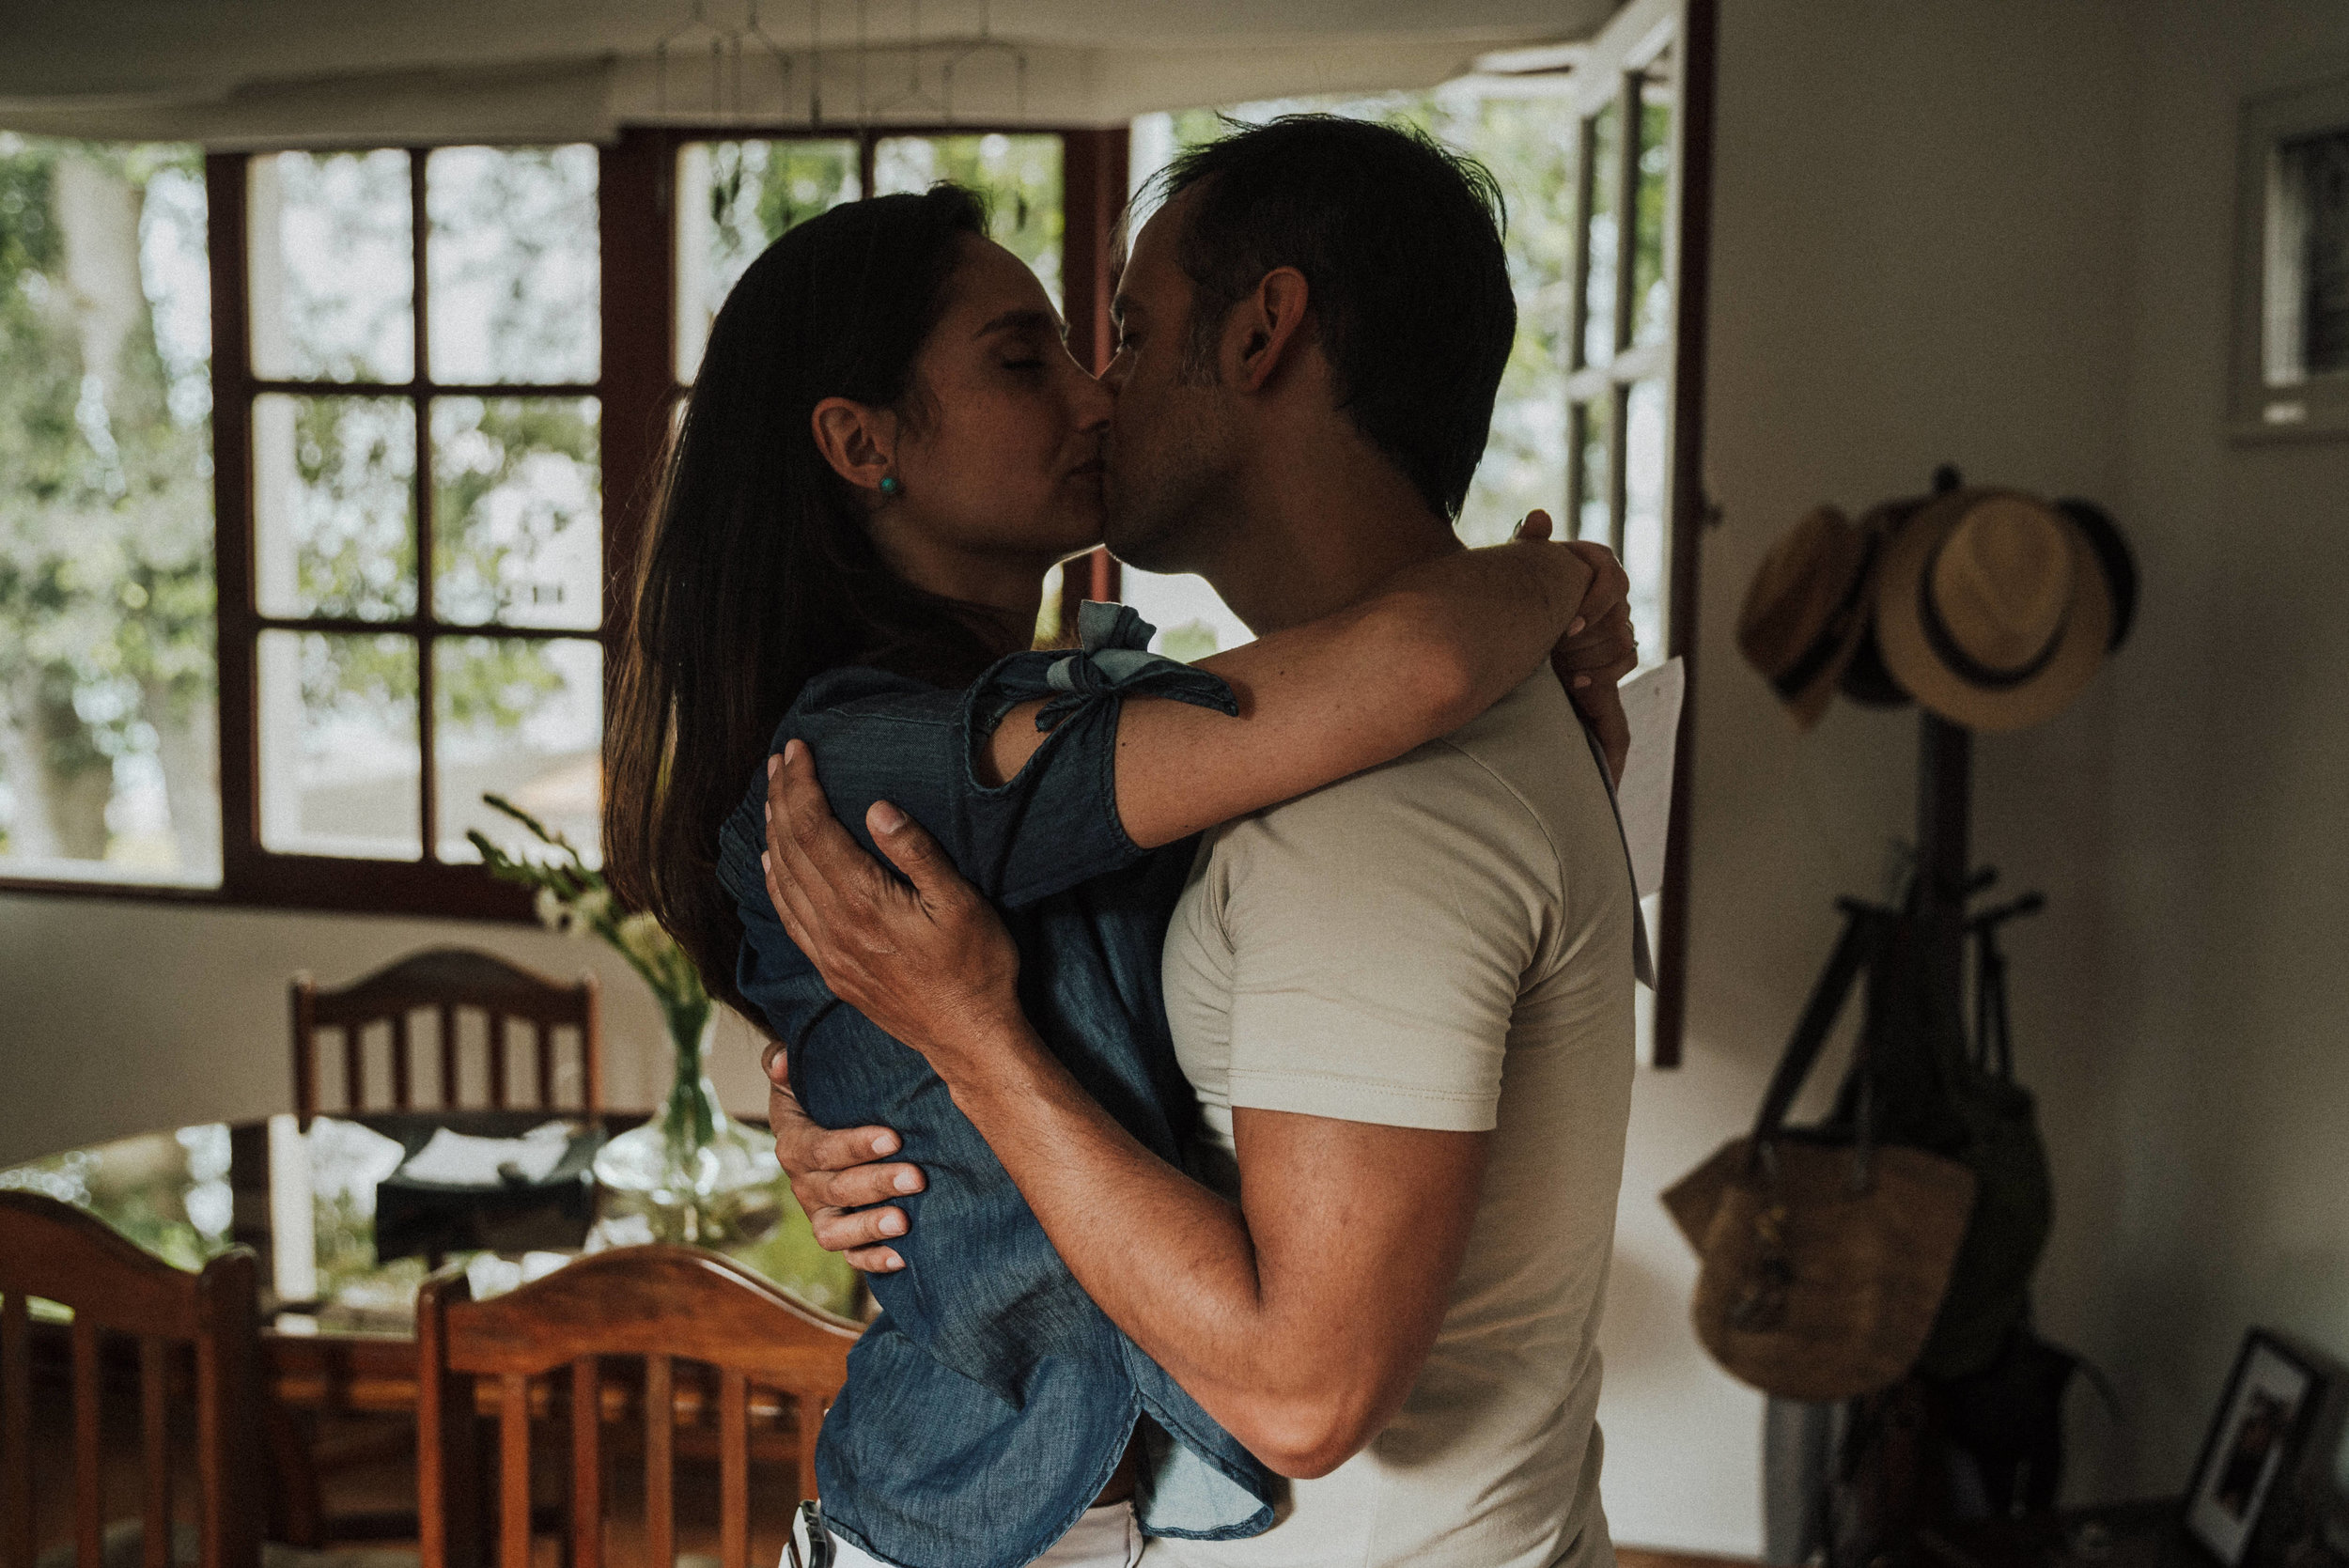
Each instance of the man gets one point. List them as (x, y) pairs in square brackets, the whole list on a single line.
[(1404, 1001)]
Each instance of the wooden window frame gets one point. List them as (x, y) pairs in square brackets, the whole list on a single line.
[(1645, 29), (637, 388)]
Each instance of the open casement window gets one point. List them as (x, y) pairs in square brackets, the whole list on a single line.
[(1599, 410), (442, 384), (1634, 389)]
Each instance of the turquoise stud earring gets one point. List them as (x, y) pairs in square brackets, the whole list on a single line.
[(891, 484)]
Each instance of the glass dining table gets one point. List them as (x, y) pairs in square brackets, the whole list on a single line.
[(348, 1349)]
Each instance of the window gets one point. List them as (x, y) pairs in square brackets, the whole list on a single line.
[(1619, 345), (107, 729), (419, 619), (427, 388)]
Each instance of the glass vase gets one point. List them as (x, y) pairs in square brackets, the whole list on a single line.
[(695, 1175)]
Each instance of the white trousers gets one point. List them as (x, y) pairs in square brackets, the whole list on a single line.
[(1106, 1537)]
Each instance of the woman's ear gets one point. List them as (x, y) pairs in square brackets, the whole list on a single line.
[(860, 442)]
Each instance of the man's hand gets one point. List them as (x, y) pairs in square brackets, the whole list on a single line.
[(928, 962), (832, 1172), (1601, 647)]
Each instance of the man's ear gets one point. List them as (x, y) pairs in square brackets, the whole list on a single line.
[(1269, 326), (860, 442)]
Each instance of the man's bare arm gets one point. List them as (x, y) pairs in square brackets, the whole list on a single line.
[(1298, 1318)]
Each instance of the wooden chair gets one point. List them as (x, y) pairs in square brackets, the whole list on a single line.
[(658, 1304), (442, 981), (56, 1251)]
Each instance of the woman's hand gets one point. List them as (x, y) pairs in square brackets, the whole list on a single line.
[(1600, 647), (929, 963)]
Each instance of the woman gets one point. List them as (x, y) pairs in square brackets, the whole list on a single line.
[(887, 449)]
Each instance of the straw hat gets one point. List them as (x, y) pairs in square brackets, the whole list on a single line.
[(1992, 609), (1865, 680), (1806, 608)]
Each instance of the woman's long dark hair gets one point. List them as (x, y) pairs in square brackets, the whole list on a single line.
[(760, 571)]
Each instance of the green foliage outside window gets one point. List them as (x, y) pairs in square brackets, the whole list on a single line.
[(106, 659)]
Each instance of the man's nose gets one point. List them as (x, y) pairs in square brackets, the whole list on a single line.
[(1113, 377), (1097, 401)]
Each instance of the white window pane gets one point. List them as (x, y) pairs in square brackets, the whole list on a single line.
[(334, 506), (331, 250), (1650, 288), (1192, 621), (1592, 503), (516, 264), (517, 511), (1643, 467), (1019, 176), (1598, 293), (734, 200), (524, 720), (339, 745), (107, 720)]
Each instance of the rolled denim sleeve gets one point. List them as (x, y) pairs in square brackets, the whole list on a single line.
[(878, 737)]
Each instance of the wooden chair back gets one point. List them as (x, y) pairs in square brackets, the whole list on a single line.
[(443, 981), (658, 1304), (56, 1251)]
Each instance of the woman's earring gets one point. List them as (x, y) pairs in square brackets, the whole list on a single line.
[(892, 486)]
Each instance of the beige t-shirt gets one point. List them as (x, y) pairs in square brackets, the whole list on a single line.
[(1441, 943)]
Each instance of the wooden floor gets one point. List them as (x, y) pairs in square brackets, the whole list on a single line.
[(1642, 1557)]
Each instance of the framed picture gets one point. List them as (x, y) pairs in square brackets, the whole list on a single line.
[(2291, 369), (2270, 1396)]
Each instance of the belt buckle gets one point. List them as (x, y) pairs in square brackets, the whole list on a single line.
[(819, 1542)]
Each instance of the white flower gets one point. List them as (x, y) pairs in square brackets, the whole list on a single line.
[(551, 910), (590, 910), (643, 938)]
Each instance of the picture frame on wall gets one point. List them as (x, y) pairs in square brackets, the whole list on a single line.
[(2253, 1447), (2290, 376)]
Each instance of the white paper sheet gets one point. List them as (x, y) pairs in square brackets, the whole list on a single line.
[(1651, 702), (460, 1159)]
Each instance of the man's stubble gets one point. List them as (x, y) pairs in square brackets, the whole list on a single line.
[(1169, 496)]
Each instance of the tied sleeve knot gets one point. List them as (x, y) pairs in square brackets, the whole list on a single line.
[(1114, 661)]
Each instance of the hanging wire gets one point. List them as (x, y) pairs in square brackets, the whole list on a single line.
[(728, 47), (815, 63), (986, 43)]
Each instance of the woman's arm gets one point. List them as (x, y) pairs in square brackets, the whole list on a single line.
[(1437, 645)]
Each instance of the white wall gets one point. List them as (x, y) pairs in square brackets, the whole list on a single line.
[(2210, 1085), (116, 1017), (1993, 232), (2001, 235)]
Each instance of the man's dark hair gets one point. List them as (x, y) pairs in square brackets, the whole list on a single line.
[(1399, 241)]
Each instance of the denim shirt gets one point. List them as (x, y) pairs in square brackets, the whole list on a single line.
[(989, 1402)]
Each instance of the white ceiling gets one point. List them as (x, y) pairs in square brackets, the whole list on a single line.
[(247, 71)]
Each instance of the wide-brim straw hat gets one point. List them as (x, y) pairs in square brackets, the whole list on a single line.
[(1806, 608), (1992, 609)]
